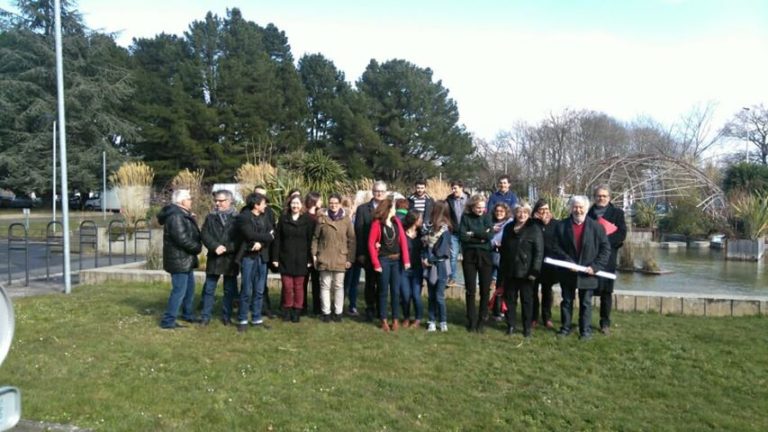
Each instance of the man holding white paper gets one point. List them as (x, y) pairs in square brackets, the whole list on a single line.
[(580, 240), (612, 218)]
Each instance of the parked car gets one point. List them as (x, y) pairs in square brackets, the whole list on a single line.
[(19, 202)]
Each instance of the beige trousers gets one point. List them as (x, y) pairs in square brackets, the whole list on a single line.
[(332, 284)]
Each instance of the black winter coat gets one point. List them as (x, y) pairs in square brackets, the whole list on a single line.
[(215, 233), (595, 250), (549, 273), (250, 229), (292, 248), (181, 239), (615, 216), (521, 252), (363, 221)]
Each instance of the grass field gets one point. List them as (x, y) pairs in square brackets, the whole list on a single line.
[(97, 359)]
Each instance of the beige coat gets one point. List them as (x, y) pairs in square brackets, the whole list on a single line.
[(333, 244)]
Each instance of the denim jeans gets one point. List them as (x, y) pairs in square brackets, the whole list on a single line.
[(182, 294), (585, 309), (455, 250), (254, 275), (351, 282), (389, 281), (209, 296), (410, 290), (436, 295)]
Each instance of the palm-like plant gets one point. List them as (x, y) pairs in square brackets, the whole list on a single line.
[(752, 211)]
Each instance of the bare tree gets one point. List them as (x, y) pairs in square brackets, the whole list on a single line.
[(750, 124), (648, 136), (693, 133)]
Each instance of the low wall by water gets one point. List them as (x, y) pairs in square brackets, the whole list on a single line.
[(624, 300)]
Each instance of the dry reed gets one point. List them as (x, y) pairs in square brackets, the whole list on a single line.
[(249, 176), (133, 184), (193, 181)]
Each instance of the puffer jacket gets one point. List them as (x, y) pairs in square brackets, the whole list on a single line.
[(333, 244), (181, 239)]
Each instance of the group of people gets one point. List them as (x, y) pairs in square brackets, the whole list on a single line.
[(400, 245)]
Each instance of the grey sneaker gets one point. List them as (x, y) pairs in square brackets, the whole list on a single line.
[(431, 326), (443, 326)]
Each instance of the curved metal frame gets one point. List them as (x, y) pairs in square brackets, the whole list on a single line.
[(14, 244), (89, 235), (51, 239), (652, 177), (125, 239), (141, 234)]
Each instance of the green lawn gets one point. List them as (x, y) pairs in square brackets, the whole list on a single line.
[(97, 359)]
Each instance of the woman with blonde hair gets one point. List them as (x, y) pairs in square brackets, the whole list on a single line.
[(388, 248)]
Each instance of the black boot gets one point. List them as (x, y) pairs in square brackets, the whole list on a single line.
[(287, 314), (295, 315)]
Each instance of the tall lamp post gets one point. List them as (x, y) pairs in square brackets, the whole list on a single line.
[(62, 144)]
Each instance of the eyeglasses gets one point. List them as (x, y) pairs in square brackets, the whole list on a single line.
[(222, 200), (542, 210)]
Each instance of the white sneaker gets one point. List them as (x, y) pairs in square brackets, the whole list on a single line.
[(443, 326), (431, 326)]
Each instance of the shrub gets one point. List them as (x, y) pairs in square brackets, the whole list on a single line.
[(645, 215), (686, 218), (746, 177), (751, 214), (134, 182), (558, 205)]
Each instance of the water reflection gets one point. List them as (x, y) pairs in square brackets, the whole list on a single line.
[(700, 271)]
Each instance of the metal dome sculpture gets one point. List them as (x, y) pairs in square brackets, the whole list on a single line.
[(652, 178)]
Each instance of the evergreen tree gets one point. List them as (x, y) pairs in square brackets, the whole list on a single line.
[(97, 83), (416, 120)]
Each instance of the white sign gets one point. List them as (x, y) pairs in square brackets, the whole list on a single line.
[(10, 407)]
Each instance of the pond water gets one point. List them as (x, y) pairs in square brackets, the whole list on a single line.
[(702, 271)]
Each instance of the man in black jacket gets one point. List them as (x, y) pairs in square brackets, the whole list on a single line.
[(181, 244), (614, 216), (363, 221), (580, 240), (218, 239)]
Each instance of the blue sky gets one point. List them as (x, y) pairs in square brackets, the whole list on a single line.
[(511, 61)]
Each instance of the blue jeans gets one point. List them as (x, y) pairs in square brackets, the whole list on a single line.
[(436, 295), (182, 294), (389, 278), (209, 296), (410, 289), (351, 282), (254, 275), (455, 250), (585, 309)]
